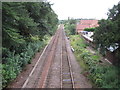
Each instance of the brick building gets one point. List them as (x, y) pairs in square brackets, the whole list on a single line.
[(86, 24)]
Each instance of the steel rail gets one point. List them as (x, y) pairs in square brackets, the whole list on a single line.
[(69, 63), (61, 63), (47, 66), (25, 83)]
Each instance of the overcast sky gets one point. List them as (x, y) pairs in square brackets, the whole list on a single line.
[(96, 9)]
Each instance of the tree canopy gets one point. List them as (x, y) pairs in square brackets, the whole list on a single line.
[(108, 33), (23, 20), (70, 25), (25, 27)]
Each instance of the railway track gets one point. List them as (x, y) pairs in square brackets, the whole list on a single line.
[(55, 67), (35, 76), (67, 80), (49, 59)]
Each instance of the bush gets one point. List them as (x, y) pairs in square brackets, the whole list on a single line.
[(89, 29), (11, 68), (103, 76), (16, 62)]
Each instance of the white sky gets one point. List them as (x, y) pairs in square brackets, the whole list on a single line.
[(96, 9)]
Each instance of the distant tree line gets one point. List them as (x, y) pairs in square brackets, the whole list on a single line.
[(70, 26), (108, 33), (25, 29)]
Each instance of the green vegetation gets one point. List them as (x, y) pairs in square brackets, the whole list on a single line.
[(26, 29), (108, 32), (70, 26), (89, 29), (101, 75)]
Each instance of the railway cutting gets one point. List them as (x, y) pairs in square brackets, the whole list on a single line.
[(56, 66)]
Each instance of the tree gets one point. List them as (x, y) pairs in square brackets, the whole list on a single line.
[(25, 26), (70, 26), (23, 20), (108, 33), (42, 14)]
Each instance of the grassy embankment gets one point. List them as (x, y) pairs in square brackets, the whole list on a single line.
[(101, 75)]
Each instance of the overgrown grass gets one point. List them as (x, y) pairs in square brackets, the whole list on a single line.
[(79, 45), (102, 76)]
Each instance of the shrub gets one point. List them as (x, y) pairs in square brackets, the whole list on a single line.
[(14, 63), (103, 76), (89, 29)]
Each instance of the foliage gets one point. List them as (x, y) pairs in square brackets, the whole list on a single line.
[(70, 27), (78, 44), (14, 63), (43, 14), (103, 76), (107, 34), (89, 29), (26, 27)]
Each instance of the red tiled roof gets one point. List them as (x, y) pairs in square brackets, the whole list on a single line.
[(82, 26), (86, 24)]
